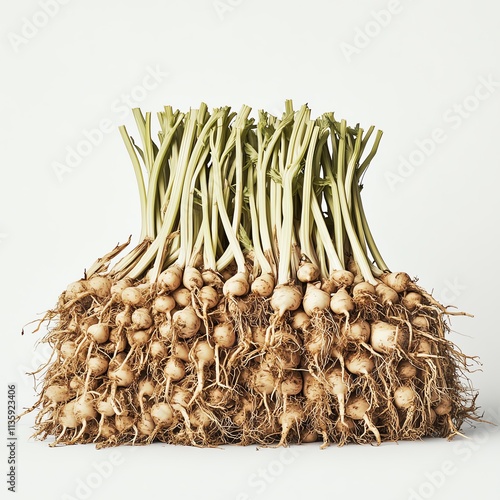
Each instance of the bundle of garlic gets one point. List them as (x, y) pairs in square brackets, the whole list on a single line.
[(256, 307)]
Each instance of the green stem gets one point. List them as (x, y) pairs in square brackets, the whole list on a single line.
[(144, 127), (366, 138), (278, 195), (320, 250), (208, 249), (333, 202), (139, 178), (333, 259), (173, 166), (355, 210), (369, 236), (266, 150), (304, 130), (187, 210), (173, 206), (259, 254), (358, 253), (362, 168), (156, 170), (274, 201), (351, 168), (307, 193), (198, 243), (216, 146), (235, 141)]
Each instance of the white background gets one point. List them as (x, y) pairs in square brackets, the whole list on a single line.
[(411, 74)]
